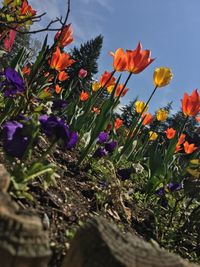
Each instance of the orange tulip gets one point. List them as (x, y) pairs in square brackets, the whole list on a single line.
[(26, 9), (119, 63), (62, 76), (119, 89), (178, 148), (191, 104), (118, 123), (137, 60), (65, 37), (170, 133), (58, 89), (59, 61), (198, 119), (84, 96), (180, 142), (26, 70), (147, 118), (96, 110), (105, 77), (181, 139), (189, 148)]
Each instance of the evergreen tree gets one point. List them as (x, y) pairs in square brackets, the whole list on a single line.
[(86, 58), (128, 113)]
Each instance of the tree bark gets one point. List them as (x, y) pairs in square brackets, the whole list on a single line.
[(100, 244)]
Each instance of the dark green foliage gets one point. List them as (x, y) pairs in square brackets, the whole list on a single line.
[(86, 58), (177, 119), (128, 113)]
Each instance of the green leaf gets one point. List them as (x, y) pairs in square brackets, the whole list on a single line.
[(156, 165), (17, 60)]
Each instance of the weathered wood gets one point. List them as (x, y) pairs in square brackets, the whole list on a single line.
[(100, 244), (23, 241)]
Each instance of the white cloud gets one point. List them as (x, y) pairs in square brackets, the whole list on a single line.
[(103, 3), (86, 21)]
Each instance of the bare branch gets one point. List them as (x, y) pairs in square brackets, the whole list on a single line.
[(36, 19)]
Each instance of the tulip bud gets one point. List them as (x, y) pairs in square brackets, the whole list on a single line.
[(162, 76), (82, 73), (139, 106), (170, 133), (153, 136), (162, 115)]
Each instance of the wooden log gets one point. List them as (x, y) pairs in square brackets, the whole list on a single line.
[(23, 241), (100, 244)]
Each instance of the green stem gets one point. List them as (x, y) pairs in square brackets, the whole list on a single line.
[(32, 176), (129, 139), (183, 126), (173, 212), (128, 78), (47, 151)]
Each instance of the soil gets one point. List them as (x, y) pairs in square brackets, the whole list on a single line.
[(68, 204)]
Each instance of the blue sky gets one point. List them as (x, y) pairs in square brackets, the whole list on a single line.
[(170, 29)]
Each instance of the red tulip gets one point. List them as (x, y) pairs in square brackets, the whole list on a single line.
[(65, 37), (137, 60), (119, 62), (106, 79), (82, 73), (9, 40), (170, 133), (191, 104), (118, 123), (147, 118), (60, 61), (189, 148), (84, 96)]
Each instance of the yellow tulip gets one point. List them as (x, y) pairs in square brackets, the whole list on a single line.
[(139, 106), (153, 136), (110, 88), (95, 86), (162, 76), (162, 115)]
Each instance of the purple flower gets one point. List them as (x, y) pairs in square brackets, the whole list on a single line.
[(125, 173), (110, 146), (73, 139), (174, 186), (12, 76), (13, 83), (103, 137), (14, 141), (55, 127), (59, 104), (100, 152), (163, 202), (160, 192)]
